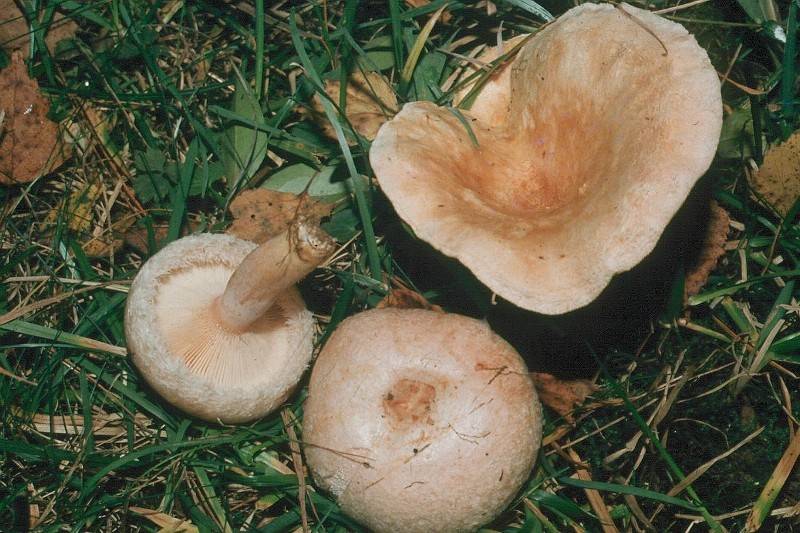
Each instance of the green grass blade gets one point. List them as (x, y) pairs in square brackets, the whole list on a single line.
[(416, 50), (361, 202), (666, 457), (627, 489), (533, 8), (43, 332), (397, 32), (788, 79), (260, 53)]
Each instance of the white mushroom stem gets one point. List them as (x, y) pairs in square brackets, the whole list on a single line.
[(271, 269)]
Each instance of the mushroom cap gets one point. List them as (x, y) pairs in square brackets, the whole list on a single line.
[(491, 107), (187, 356), (599, 148), (420, 421)]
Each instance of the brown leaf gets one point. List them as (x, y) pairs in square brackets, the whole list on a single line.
[(778, 178), (260, 214), (405, 298), (446, 15), (104, 241), (15, 30), (77, 208), (167, 523), (137, 238), (370, 102), (29, 145), (562, 396), (713, 248)]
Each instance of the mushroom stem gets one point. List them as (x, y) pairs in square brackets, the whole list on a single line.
[(269, 270)]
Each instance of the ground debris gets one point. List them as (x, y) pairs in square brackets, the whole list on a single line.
[(165, 521), (713, 248), (401, 297), (29, 146), (260, 214), (562, 396), (370, 102), (778, 178), (15, 32)]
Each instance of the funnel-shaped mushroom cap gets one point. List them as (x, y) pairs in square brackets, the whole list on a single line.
[(185, 353), (613, 115), (420, 421)]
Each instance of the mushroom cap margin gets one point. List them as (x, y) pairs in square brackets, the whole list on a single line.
[(268, 377), (448, 421)]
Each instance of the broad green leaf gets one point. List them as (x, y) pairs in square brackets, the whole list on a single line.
[(760, 11), (244, 147), (296, 178), (379, 54), (736, 138), (428, 74), (533, 8), (343, 224)]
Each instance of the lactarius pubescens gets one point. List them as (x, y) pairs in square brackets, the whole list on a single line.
[(612, 115), (216, 326), (420, 421)]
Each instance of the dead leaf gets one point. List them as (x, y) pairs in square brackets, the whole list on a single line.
[(405, 298), (446, 15), (29, 145), (713, 248), (260, 214), (77, 208), (167, 523), (15, 30), (138, 237), (78, 213), (106, 241), (778, 178), (91, 124), (370, 102), (562, 396)]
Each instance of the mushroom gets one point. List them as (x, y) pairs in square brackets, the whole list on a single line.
[(577, 173), (216, 326), (420, 421)]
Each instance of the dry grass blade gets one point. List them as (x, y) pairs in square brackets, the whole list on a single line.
[(167, 523), (594, 497), (4, 372), (35, 306), (297, 461), (687, 5), (762, 507), (702, 469)]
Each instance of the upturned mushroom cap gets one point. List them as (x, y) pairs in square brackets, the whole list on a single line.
[(187, 354), (613, 115), (491, 107), (420, 421)]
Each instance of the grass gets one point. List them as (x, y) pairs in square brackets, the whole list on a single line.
[(175, 106)]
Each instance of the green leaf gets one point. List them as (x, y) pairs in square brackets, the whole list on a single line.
[(343, 225), (296, 178), (379, 55), (627, 489), (786, 349), (753, 10), (533, 8), (153, 178), (736, 138), (244, 147), (428, 74)]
